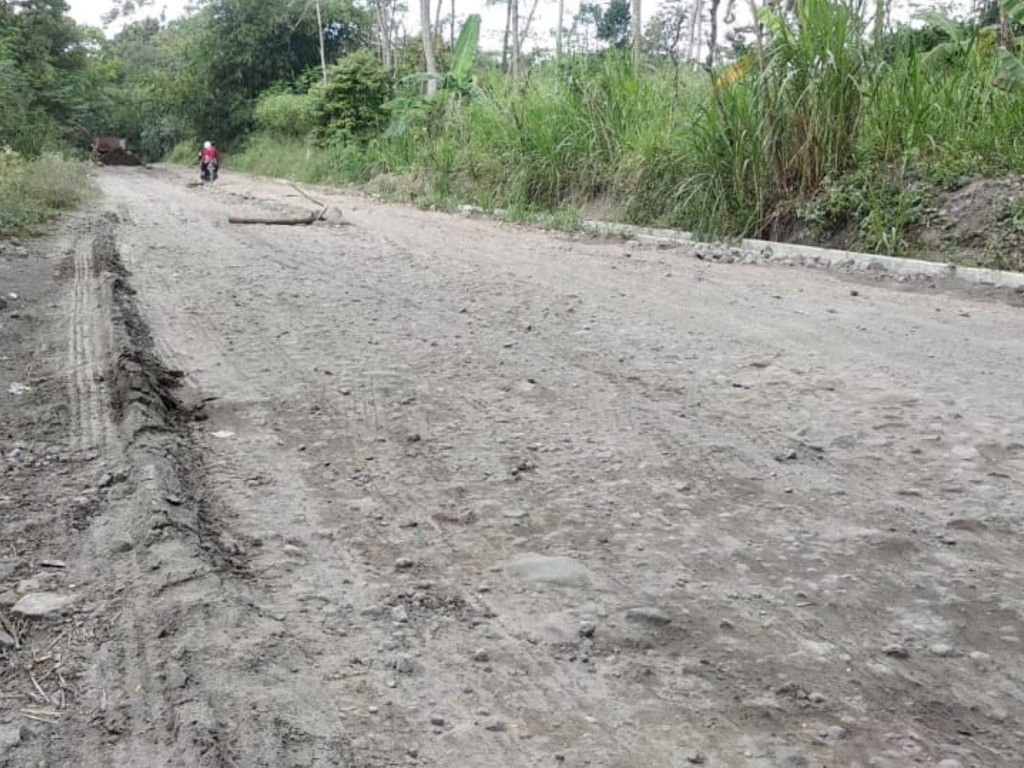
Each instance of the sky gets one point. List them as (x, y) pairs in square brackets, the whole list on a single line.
[(492, 16)]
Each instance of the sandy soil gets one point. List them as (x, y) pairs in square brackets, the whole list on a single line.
[(420, 489)]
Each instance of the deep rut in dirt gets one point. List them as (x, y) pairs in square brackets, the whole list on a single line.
[(164, 703)]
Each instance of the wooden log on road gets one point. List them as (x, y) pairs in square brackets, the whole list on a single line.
[(307, 219)]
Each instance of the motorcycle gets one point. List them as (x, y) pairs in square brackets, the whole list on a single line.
[(208, 171)]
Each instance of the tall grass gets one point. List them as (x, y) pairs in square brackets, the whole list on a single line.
[(34, 190), (568, 135), (296, 159), (823, 129)]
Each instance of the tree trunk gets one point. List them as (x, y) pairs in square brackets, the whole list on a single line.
[(508, 27), (713, 35), (693, 45), (517, 49), (881, 14), (384, 24), (320, 35), (637, 32), (428, 47), (529, 23), (558, 34), (438, 32)]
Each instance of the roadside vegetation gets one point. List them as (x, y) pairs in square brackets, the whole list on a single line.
[(822, 123), (35, 189)]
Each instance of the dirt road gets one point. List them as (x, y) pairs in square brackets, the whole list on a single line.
[(429, 490)]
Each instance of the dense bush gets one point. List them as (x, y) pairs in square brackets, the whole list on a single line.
[(350, 106)]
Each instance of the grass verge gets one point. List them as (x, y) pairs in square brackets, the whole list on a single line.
[(33, 190)]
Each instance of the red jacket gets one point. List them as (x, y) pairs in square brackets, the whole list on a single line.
[(209, 154)]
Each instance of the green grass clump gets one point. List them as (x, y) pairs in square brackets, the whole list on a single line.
[(299, 160), (34, 190)]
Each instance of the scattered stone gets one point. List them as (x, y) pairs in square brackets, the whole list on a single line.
[(896, 651), (373, 710), (788, 757), (495, 725), (7, 640), (942, 649), (391, 683), (121, 543), (437, 720), (345, 391), (516, 515), (816, 697), (403, 564), (105, 481), (833, 734), (399, 614), (763, 705), (648, 615), (696, 758), (53, 564), (587, 628), (42, 603), (41, 582), (542, 569), (8, 565), (404, 665), (10, 736), (481, 655)]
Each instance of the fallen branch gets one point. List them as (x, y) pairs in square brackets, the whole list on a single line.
[(42, 715), (308, 219), (312, 200)]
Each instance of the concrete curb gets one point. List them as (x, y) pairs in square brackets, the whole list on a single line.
[(764, 251)]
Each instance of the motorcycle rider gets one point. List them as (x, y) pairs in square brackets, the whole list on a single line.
[(209, 160)]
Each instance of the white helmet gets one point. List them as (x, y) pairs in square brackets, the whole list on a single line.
[(207, 144)]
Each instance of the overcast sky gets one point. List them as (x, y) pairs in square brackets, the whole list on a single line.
[(493, 16)]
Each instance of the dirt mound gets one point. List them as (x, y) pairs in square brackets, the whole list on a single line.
[(981, 223), (116, 156)]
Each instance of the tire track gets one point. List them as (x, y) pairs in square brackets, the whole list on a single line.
[(88, 351)]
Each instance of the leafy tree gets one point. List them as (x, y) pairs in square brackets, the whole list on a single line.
[(235, 49), (585, 25), (666, 35), (351, 104), (613, 26), (47, 75)]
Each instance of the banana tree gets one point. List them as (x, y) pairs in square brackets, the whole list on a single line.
[(457, 83), (995, 63), (1010, 74)]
